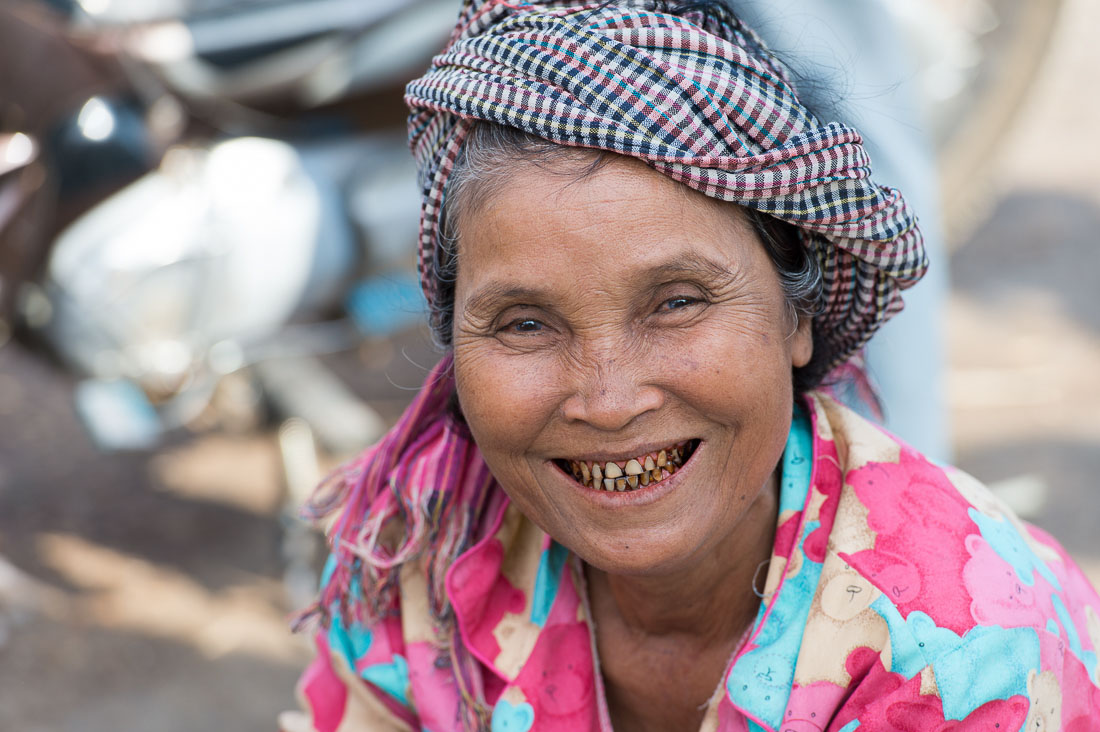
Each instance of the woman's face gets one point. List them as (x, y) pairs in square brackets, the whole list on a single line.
[(632, 331)]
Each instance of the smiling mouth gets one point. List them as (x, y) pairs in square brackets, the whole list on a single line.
[(629, 475)]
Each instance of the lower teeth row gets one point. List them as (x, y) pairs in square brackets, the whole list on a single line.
[(632, 482)]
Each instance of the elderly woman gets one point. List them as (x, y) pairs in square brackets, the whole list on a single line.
[(618, 501)]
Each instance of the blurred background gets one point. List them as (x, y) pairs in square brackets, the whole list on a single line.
[(207, 299)]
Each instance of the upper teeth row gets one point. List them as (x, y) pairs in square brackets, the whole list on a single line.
[(642, 470)]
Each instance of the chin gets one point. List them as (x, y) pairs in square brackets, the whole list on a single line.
[(642, 554)]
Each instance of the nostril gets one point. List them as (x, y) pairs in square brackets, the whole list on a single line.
[(611, 409)]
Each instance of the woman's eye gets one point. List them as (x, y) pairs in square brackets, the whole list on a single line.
[(524, 325), (677, 303)]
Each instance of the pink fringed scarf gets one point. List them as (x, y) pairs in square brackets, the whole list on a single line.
[(420, 494), (426, 483)]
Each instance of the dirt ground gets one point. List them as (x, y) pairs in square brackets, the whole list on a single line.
[(144, 592)]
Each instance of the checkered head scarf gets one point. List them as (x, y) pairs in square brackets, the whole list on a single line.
[(697, 97)]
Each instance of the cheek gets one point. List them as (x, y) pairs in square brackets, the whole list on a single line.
[(505, 399), (720, 362)]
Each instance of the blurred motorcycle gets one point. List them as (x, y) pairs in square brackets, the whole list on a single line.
[(245, 204)]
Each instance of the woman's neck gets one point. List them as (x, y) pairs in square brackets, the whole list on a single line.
[(681, 628), (710, 599)]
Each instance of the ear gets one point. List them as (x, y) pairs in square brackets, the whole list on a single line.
[(801, 342)]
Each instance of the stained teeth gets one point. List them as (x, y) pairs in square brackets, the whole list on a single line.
[(641, 471)]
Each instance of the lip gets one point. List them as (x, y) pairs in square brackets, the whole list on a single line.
[(641, 496)]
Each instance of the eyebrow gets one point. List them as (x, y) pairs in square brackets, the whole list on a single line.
[(692, 266), (679, 267), (497, 291)]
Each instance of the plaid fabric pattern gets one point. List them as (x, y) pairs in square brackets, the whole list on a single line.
[(700, 100)]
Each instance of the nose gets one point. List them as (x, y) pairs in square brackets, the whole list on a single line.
[(611, 393)]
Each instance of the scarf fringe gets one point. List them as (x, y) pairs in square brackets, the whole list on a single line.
[(417, 496)]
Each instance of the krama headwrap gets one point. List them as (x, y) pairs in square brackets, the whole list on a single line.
[(700, 99), (707, 105)]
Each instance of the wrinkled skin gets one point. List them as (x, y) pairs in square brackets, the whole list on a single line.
[(601, 316)]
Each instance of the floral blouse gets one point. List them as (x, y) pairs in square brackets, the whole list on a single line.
[(901, 596)]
